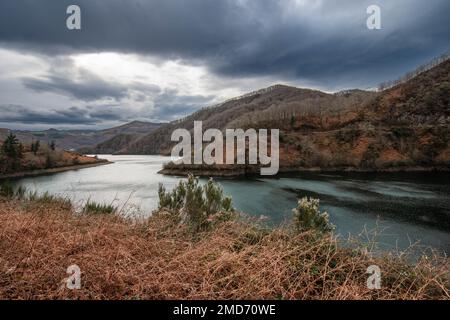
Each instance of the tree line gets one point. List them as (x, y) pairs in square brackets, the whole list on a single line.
[(433, 63), (12, 153)]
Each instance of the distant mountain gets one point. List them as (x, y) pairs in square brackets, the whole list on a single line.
[(83, 139), (112, 145), (23, 136)]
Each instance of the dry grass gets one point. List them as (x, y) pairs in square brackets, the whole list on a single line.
[(158, 259)]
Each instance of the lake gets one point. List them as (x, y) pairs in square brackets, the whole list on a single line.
[(401, 209)]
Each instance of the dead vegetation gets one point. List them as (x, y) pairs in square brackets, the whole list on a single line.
[(160, 258)]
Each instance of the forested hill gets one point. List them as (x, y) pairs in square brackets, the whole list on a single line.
[(405, 126), (269, 106)]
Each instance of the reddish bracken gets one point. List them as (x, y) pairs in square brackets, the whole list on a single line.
[(160, 259)]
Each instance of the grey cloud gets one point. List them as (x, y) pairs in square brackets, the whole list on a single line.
[(107, 115), (324, 44), (166, 27), (170, 105), (84, 85), (86, 91), (247, 38), (71, 116)]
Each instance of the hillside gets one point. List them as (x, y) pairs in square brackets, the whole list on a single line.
[(270, 105), (82, 139), (112, 145), (405, 127)]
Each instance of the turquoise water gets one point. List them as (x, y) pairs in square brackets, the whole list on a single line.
[(403, 209)]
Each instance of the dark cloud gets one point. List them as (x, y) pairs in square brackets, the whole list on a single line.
[(107, 115), (320, 43), (84, 85), (323, 42), (70, 116), (170, 105), (93, 89), (166, 27)]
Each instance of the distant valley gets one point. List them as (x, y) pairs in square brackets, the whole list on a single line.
[(84, 141)]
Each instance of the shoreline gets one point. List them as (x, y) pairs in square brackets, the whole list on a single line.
[(43, 172), (237, 172)]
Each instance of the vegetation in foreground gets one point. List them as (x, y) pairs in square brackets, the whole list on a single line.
[(194, 247), (92, 207)]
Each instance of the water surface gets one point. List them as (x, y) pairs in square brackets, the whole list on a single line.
[(405, 208)]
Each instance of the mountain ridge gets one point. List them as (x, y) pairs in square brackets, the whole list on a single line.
[(404, 127), (219, 116), (81, 140)]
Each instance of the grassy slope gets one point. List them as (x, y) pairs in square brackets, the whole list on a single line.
[(160, 259)]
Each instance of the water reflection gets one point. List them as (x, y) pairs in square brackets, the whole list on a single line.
[(408, 207)]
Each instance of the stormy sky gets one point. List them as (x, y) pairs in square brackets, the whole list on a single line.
[(158, 60)]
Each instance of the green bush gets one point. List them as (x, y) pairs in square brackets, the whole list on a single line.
[(196, 205), (293, 120), (35, 146), (47, 198), (11, 151), (370, 156), (49, 163), (21, 193), (402, 132), (347, 136), (92, 207), (308, 217), (6, 189), (11, 147)]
